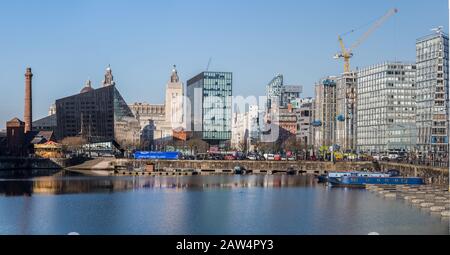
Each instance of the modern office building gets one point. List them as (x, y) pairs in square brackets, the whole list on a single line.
[(280, 95), (98, 115), (245, 131), (432, 95), (240, 131), (255, 116), (210, 102), (305, 118), (346, 111), (324, 124), (291, 95), (274, 92), (386, 107)]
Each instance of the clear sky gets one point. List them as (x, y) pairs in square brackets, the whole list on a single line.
[(67, 42)]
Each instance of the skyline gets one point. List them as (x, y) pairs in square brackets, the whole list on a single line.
[(141, 61)]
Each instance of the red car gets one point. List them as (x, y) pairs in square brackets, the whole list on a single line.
[(277, 157), (230, 157)]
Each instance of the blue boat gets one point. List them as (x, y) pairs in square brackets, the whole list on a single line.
[(361, 181), (338, 175), (322, 178)]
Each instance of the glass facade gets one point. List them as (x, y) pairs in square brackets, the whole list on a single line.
[(386, 107), (280, 95), (275, 91), (432, 97), (127, 130), (210, 94)]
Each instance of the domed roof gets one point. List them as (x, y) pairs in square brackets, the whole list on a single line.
[(87, 87)]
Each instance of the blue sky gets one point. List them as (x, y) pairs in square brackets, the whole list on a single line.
[(67, 42)]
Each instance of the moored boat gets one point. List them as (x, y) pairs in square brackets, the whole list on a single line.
[(361, 181), (291, 171), (322, 178), (239, 170)]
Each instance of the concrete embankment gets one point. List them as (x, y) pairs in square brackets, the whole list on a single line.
[(32, 167), (96, 167), (26, 167), (260, 166)]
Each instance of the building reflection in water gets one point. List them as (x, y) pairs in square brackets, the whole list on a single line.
[(78, 184)]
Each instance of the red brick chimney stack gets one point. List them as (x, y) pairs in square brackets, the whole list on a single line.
[(28, 113)]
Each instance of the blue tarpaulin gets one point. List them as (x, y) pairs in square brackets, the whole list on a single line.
[(340, 118), (317, 123)]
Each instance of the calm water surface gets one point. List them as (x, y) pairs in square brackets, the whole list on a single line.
[(202, 205)]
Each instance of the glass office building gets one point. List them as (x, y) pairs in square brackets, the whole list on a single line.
[(432, 96), (280, 95), (210, 96), (386, 108), (275, 92)]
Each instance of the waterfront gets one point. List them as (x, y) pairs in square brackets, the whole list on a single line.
[(202, 205)]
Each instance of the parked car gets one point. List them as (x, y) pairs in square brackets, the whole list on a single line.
[(270, 157), (292, 158), (277, 157), (260, 157), (384, 157), (252, 157), (351, 156), (393, 156), (230, 157)]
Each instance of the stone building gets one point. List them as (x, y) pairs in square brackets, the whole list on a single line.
[(15, 132), (158, 121)]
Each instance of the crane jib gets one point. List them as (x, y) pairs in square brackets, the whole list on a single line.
[(346, 54)]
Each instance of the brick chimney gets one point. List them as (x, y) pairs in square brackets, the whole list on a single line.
[(28, 113)]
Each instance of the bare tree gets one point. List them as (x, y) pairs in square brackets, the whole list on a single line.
[(74, 143), (197, 145), (292, 144)]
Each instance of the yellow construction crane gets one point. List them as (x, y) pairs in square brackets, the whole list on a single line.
[(347, 54)]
